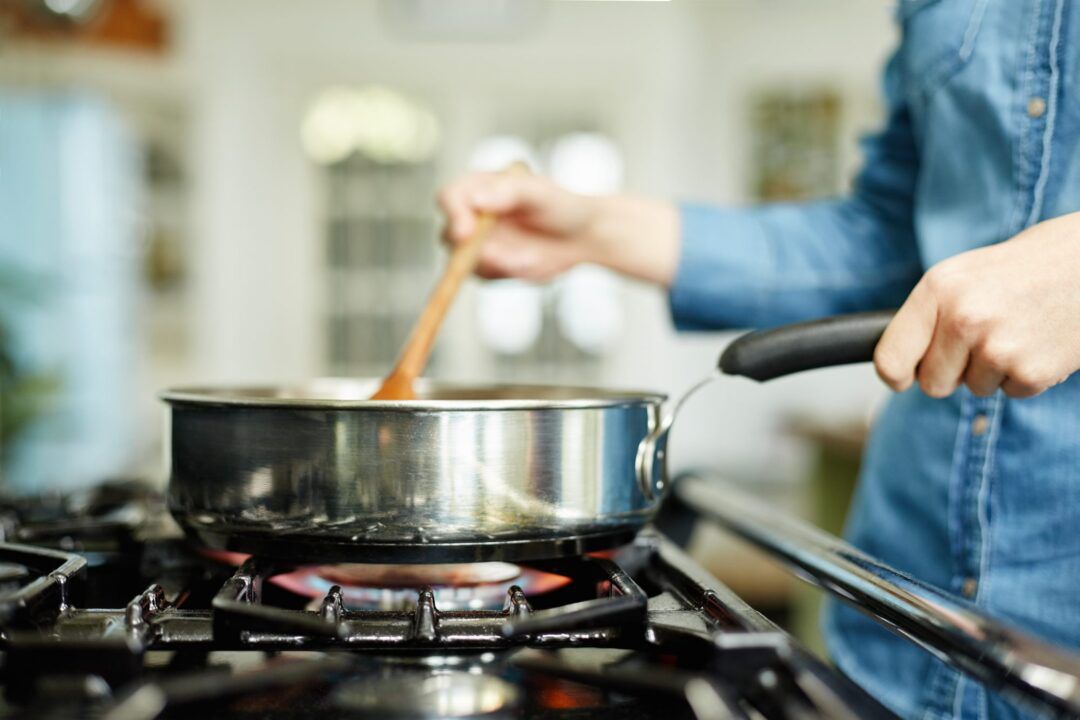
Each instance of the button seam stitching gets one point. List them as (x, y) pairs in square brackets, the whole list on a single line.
[(1039, 193)]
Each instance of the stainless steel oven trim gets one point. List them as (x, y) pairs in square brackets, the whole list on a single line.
[(1021, 666)]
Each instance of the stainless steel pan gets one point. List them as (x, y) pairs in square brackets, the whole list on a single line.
[(319, 472)]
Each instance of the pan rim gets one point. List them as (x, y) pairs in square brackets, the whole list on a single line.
[(301, 395)]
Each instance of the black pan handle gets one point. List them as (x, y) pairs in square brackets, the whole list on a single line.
[(839, 340)]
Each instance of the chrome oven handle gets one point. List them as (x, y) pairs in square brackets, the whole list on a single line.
[(1016, 663)]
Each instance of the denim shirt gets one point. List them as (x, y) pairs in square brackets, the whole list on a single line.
[(980, 496)]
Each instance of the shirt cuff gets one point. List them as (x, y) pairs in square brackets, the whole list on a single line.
[(724, 260)]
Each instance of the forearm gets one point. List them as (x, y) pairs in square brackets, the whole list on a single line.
[(755, 266), (636, 236), (772, 264)]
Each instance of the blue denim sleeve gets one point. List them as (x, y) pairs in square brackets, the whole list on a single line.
[(767, 265)]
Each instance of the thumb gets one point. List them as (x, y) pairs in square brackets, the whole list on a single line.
[(507, 194)]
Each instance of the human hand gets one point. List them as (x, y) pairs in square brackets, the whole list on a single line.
[(543, 230), (1006, 315)]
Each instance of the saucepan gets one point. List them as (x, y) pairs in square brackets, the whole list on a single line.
[(319, 472)]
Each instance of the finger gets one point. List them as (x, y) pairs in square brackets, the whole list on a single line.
[(1018, 389), (490, 271), (942, 367), (496, 193), (503, 194), (981, 378), (1025, 379), (511, 252), (511, 258), (460, 216), (906, 339)]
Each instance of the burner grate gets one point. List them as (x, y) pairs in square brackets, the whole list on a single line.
[(53, 576), (636, 631), (240, 617)]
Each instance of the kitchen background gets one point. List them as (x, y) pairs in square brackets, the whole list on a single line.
[(197, 191)]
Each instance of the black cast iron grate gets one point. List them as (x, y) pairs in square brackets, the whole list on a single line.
[(105, 613), (668, 630)]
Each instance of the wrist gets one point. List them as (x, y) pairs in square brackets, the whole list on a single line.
[(635, 236), (598, 239)]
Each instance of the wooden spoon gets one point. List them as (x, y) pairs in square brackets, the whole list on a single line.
[(398, 385)]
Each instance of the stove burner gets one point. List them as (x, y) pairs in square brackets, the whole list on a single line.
[(449, 695), (412, 576), (454, 586), (489, 596)]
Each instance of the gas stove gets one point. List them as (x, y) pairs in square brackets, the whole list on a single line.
[(107, 612)]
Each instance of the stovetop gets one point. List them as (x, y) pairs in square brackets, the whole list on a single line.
[(107, 612)]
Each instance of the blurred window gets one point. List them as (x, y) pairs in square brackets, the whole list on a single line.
[(68, 290), (375, 146)]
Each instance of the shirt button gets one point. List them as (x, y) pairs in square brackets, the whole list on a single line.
[(979, 425), (1036, 107), (969, 588)]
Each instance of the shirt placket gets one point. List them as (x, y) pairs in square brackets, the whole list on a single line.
[(970, 494), (969, 531), (970, 518), (1034, 110)]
